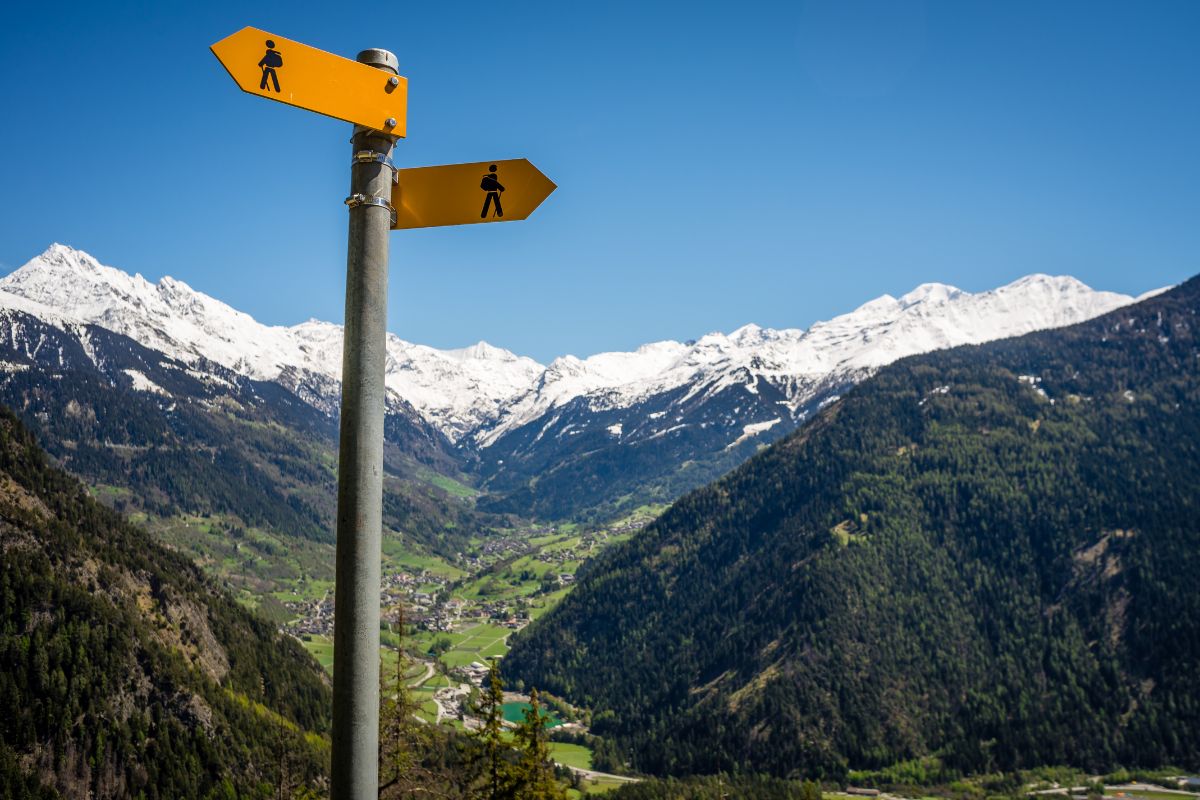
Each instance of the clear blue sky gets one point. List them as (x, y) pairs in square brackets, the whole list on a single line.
[(717, 163)]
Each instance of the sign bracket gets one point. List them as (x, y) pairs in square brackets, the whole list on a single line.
[(369, 156), (359, 199)]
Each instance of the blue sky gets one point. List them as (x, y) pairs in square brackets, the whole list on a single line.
[(717, 163)]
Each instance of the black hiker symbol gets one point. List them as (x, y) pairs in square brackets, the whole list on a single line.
[(493, 188), (269, 63)]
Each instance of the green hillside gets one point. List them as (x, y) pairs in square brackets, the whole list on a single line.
[(989, 554), (241, 475), (126, 673)]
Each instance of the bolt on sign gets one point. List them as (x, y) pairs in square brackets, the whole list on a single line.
[(462, 194), (280, 69)]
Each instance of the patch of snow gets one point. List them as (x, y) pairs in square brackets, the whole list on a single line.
[(753, 429), (662, 433), (1032, 381), (143, 384)]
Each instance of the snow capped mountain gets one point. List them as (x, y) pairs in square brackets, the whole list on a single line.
[(168, 316), (482, 393), (455, 390), (932, 316)]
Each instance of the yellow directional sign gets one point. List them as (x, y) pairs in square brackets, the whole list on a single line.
[(460, 194), (279, 69)]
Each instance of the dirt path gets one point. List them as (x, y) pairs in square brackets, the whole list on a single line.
[(421, 680), (591, 773)]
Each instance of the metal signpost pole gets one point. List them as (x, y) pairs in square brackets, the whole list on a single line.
[(370, 93), (355, 758)]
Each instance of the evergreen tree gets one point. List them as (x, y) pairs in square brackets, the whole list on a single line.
[(407, 745), (495, 780), (535, 770)]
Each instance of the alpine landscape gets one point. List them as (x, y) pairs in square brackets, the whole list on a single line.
[(901, 540)]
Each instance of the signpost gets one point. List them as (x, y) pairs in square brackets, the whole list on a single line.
[(370, 93), (462, 194), (279, 69)]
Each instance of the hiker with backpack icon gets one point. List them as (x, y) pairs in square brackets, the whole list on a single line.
[(493, 188), (269, 63)]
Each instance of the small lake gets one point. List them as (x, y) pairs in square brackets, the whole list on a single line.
[(515, 712)]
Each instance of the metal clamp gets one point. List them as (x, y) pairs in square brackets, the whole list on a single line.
[(374, 157), (356, 200)]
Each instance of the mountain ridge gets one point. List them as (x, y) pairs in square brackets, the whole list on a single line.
[(481, 392), (580, 438)]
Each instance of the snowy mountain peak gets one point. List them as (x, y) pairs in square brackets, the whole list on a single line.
[(932, 293), (885, 303), (481, 391), (62, 272), (63, 256), (482, 351), (1057, 282), (752, 335)]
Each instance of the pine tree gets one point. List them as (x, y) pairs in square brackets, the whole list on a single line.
[(404, 740), (535, 770), (497, 778)]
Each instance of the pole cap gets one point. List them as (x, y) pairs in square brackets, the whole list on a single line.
[(384, 59)]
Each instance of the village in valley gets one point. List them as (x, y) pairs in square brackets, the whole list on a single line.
[(458, 614), (443, 622)]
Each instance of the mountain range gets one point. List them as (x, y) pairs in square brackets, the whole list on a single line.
[(602, 433), (980, 559), (978, 554)]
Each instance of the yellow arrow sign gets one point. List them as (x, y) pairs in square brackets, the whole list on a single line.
[(461, 194), (279, 69)]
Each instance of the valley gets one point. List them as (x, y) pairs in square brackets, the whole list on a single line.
[(553, 518), (503, 580), (655, 401)]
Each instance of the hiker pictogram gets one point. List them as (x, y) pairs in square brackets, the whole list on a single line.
[(290, 72), (429, 197), (493, 188), (269, 63)]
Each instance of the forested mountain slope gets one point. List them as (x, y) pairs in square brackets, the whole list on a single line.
[(176, 438), (988, 554), (123, 671)]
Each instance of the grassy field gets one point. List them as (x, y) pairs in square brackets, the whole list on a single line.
[(321, 648), (398, 556), (572, 755), (478, 643), (428, 711), (255, 562), (548, 602), (451, 486)]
